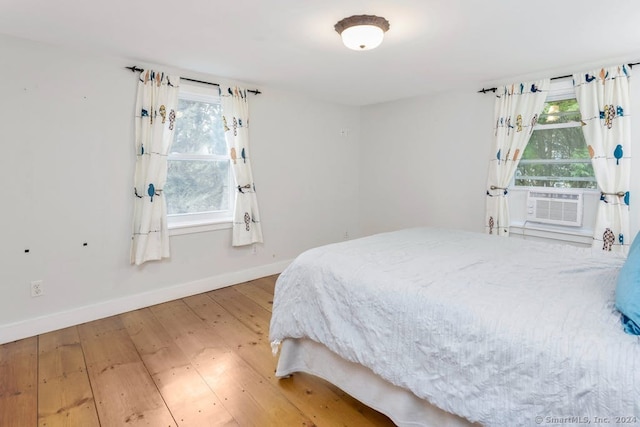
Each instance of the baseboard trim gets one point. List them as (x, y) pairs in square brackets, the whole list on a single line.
[(40, 325)]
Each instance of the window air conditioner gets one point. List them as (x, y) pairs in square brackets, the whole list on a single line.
[(559, 207)]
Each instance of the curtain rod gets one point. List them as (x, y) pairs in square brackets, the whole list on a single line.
[(493, 89), (134, 69)]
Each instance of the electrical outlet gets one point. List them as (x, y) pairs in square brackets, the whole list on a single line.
[(254, 249), (345, 236), (37, 288)]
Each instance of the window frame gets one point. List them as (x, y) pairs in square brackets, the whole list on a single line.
[(187, 223), (559, 90)]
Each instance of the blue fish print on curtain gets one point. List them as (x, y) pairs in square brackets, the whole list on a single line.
[(618, 153), (151, 191)]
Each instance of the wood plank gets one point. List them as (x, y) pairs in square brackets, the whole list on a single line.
[(267, 284), (65, 397), (246, 394), (323, 404), (123, 389), (329, 404), (185, 392), (256, 293), (19, 383), (245, 310), (252, 346)]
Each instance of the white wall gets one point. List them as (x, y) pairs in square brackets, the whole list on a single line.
[(420, 162), (67, 171), (425, 161)]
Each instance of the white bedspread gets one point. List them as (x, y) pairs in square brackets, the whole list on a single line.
[(504, 332)]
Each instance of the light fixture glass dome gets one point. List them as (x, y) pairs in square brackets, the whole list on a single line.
[(362, 37), (362, 32)]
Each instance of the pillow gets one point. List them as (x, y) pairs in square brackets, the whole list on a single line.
[(636, 243), (628, 290)]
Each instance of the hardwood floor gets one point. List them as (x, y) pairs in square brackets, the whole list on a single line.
[(199, 361)]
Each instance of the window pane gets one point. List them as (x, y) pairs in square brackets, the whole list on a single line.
[(562, 111), (563, 175), (197, 186), (562, 143), (199, 128), (556, 158)]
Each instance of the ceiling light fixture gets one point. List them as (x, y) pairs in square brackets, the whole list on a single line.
[(362, 32)]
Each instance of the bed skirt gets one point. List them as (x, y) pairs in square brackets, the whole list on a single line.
[(403, 407)]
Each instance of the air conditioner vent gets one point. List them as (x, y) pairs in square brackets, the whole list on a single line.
[(555, 207)]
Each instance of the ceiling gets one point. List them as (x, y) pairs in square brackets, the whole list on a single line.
[(433, 45)]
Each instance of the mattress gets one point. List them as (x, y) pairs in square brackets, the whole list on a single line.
[(497, 331)]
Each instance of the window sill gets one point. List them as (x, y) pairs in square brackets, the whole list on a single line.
[(181, 228), (575, 235), (526, 188)]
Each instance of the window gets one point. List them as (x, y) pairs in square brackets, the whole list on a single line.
[(198, 188), (557, 154)]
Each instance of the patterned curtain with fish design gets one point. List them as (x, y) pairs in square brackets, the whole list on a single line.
[(517, 108), (603, 98), (155, 116), (235, 117)]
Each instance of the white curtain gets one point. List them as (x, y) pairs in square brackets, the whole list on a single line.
[(155, 116), (517, 108), (235, 115), (603, 98)]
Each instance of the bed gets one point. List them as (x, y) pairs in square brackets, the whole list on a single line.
[(438, 327)]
